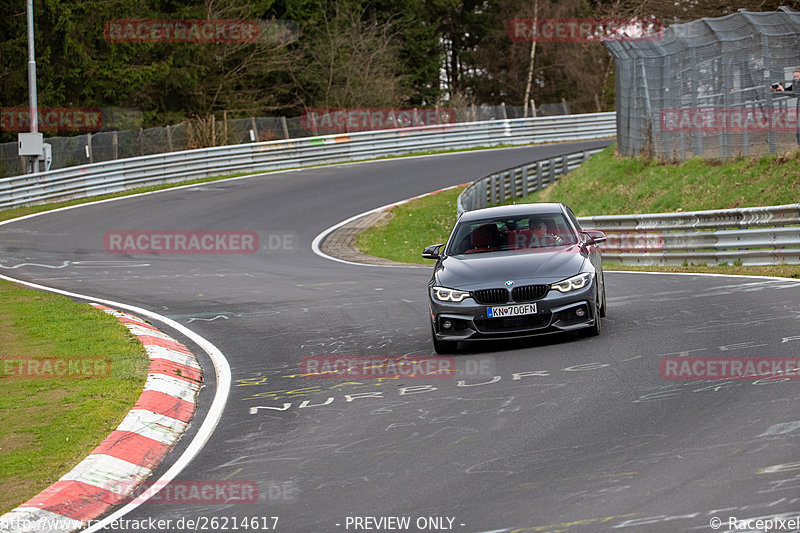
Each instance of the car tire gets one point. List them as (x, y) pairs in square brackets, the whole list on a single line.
[(594, 330), (605, 302), (443, 347)]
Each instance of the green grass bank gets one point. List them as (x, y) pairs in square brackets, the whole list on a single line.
[(49, 424)]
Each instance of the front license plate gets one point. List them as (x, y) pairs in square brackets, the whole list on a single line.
[(511, 310)]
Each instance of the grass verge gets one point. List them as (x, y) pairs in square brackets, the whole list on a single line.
[(48, 425), (781, 271), (610, 185), (412, 226)]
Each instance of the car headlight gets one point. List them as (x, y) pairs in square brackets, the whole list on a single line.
[(574, 283), (449, 295)]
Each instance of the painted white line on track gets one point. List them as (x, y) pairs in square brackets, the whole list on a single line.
[(223, 373)]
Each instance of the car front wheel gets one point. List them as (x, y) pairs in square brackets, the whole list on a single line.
[(605, 302), (594, 330), (443, 347)]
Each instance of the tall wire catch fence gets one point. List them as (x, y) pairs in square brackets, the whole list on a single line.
[(708, 88)]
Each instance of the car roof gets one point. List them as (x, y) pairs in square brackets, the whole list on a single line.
[(513, 210)]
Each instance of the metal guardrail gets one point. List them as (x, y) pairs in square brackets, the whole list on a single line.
[(749, 236), (124, 174), (519, 182)]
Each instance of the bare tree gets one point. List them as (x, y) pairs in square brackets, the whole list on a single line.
[(574, 71), (350, 62), (234, 73), (530, 66)]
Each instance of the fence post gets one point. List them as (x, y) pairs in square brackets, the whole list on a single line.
[(697, 139), (725, 137), (90, 154), (524, 181), (313, 122), (538, 175), (665, 145), (746, 136), (254, 128), (213, 131), (771, 132), (169, 139), (115, 144), (285, 127)]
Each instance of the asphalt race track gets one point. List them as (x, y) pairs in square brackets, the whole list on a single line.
[(555, 434)]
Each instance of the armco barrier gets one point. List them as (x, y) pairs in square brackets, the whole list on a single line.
[(749, 236), (518, 182), (124, 174)]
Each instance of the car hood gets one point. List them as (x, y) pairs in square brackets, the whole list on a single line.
[(477, 271)]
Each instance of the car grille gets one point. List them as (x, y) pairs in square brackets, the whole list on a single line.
[(490, 296), (513, 323), (526, 293), (529, 293)]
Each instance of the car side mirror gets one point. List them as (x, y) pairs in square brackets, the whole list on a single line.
[(594, 236), (432, 252)]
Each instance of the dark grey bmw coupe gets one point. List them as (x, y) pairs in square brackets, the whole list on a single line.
[(515, 271)]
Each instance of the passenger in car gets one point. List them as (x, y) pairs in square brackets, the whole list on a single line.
[(485, 238)]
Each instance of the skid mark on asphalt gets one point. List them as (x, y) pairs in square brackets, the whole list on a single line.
[(192, 319), (81, 264)]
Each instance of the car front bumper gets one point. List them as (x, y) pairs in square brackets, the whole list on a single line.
[(556, 312)]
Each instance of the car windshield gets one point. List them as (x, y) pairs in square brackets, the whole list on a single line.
[(518, 234)]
